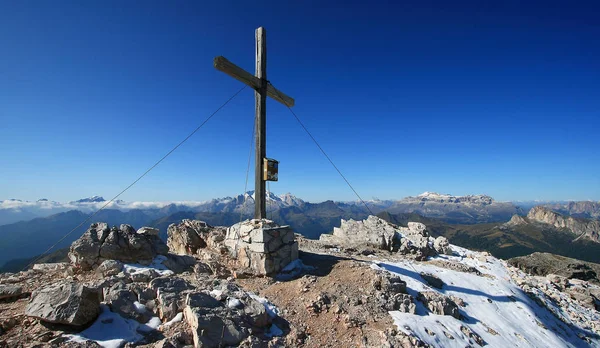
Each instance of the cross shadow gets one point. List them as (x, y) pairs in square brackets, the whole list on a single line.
[(322, 263), (446, 287)]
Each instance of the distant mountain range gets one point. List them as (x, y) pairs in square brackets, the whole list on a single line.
[(456, 209), (14, 210), (45, 221), (522, 235)]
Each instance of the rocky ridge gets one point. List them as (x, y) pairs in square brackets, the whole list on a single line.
[(583, 209), (370, 284), (579, 227)]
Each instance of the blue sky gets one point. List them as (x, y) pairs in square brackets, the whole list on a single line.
[(459, 97)]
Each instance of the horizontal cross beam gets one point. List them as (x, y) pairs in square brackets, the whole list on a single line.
[(222, 64)]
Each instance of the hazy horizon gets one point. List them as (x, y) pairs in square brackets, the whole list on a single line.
[(169, 201)]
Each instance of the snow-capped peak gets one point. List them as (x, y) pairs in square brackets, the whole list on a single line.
[(434, 195), (448, 198), (93, 199)]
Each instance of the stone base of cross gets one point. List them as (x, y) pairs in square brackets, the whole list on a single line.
[(261, 247)]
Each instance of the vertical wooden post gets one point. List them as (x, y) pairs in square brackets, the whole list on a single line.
[(260, 97)]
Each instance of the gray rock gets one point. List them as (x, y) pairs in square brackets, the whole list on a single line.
[(442, 246), (438, 303), (190, 236), (256, 313), (122, 300), (545, 263), (578, 227), (202, 300), (143, 276), (110, 267), (389, 284), (373, 231), (202, 268), (403, 303), (101, 243), (143, 293), (472, 335), (418, 228), (170, 295), (215, 328), (45, 267), (10, 291), (179, 263), (149, 231), (66, 303), (166, 343)]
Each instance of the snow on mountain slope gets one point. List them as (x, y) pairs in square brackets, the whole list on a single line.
[(497, 309)]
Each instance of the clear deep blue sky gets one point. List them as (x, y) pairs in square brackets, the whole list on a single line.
[(457, 97)]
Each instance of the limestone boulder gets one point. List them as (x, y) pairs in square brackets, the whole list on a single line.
[(438, 303), (179, 263), (378, 233), (170, 295), (214, 324), (442, 246), (8, 291), (110, 267), (373, 232), (65, 302), (191, 236), (124, 301), (123, 243), (402, 302)]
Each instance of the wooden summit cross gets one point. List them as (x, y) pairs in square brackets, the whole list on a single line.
[(262, 89)]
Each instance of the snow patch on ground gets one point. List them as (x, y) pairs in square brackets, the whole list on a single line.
[(111, 330), (176, 319), (271, 309), (234, 303), (140, 308), (293, 270), (156, 266), (496, 308)]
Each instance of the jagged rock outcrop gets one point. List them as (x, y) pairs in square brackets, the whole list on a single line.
[(582, 228), (543, 264), (190, 236), (373, 232), (110, 267), (214, 324), (8, 291), (123, 243), (170, 295), (65, 302), (378, 233), (438, 303), (124, 301), (584, 209), (456, 209), (517, 220), (392, 293)]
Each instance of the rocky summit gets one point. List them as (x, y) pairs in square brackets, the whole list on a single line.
[(368, 284)]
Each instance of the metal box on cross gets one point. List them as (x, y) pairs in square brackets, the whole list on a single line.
[(271, 169)]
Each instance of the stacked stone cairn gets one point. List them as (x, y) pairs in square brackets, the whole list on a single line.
[(261, 247)]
